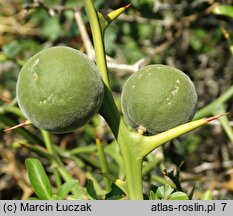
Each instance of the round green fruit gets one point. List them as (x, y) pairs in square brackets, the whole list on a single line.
[(158, 98), (59, 89)]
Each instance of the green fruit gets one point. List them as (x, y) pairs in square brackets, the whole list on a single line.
[(59, 89), (158, 98)]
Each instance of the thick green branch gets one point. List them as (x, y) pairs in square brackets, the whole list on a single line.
[(98, 40), (126, 139)]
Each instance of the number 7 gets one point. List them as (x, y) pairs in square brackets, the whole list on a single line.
[(224, 205)]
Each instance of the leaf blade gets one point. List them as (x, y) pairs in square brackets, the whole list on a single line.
[(178, 196), (38, 179), (225, 10), (66, 188)]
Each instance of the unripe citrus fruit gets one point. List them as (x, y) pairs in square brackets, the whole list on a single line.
[(158, 98), (59, 89)]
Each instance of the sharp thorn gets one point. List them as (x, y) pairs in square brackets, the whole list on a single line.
[(23, 124), (4, 99), (216, 117), (127, 6)]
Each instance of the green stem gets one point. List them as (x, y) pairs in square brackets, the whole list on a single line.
[(127, 142), (58, 165), (83, 150), (97, 186), (224, 122), (98, 39), (133, 174), (150, 166), (163, 181), (50, 149), (217, 107), (47, 141), (210, 109), (11, 109), (37, 150), (103, 164), (82, 157)]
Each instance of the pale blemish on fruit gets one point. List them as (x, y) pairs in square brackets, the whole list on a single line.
[(35, 76), (168, 102), (149, 74), (43, 101), (36, 62), (175, 90), (49, 99), (133, 86), (176, 87), (140, 75)]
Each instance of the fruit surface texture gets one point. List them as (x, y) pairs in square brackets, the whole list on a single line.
[(59, 89), (158, 98)]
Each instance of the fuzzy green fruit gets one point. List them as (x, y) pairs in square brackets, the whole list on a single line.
[(59, 89), (158, 98)]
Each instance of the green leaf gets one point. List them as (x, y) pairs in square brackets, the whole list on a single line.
[(52, 28), (225, 10), (91, 190), (115, 194), (118, 182), (66, 188), (178, 196), (113, 151), (174, 175), (153, 196), (77, 197), (164, 191), (56, 197), (39, 151), (207, 195), (38, 179), (12, 49)]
